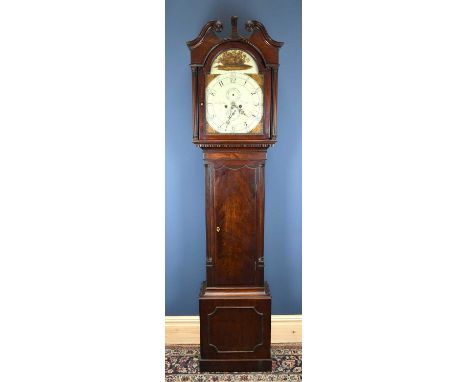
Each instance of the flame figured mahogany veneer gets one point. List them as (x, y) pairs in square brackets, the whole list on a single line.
[(234, 91)]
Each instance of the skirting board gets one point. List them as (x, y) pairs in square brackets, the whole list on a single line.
[(186, 329)]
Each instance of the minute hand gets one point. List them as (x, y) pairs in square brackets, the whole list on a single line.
[(241, 111), (229, 117)]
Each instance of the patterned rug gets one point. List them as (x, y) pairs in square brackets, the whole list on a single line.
[(182, 365)]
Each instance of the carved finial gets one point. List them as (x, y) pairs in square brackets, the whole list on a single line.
[(254, 25), (234, 33), (218, 26), (209, 28), (249, 25)]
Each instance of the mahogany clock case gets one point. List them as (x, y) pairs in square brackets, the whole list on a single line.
[(235, 301)]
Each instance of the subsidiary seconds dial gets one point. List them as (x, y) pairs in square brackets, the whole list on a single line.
[(234, 103)]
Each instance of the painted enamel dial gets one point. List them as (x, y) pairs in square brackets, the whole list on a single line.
[(234, 103)]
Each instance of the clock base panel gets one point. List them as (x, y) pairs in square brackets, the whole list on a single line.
[(235, 328)]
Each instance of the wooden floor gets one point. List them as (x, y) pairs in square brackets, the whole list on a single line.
[(186, 329)]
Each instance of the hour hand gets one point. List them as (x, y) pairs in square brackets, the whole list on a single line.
[(229, 117)]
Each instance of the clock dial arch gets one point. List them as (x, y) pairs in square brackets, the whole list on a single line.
[(251, 132), (237, 60)]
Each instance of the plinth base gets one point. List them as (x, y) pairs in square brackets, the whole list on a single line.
[(235, 329), (235, 365)]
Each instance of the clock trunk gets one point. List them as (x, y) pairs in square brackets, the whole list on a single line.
[(234, 217)]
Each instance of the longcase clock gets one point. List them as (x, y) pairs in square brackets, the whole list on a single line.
[(234, 90)]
